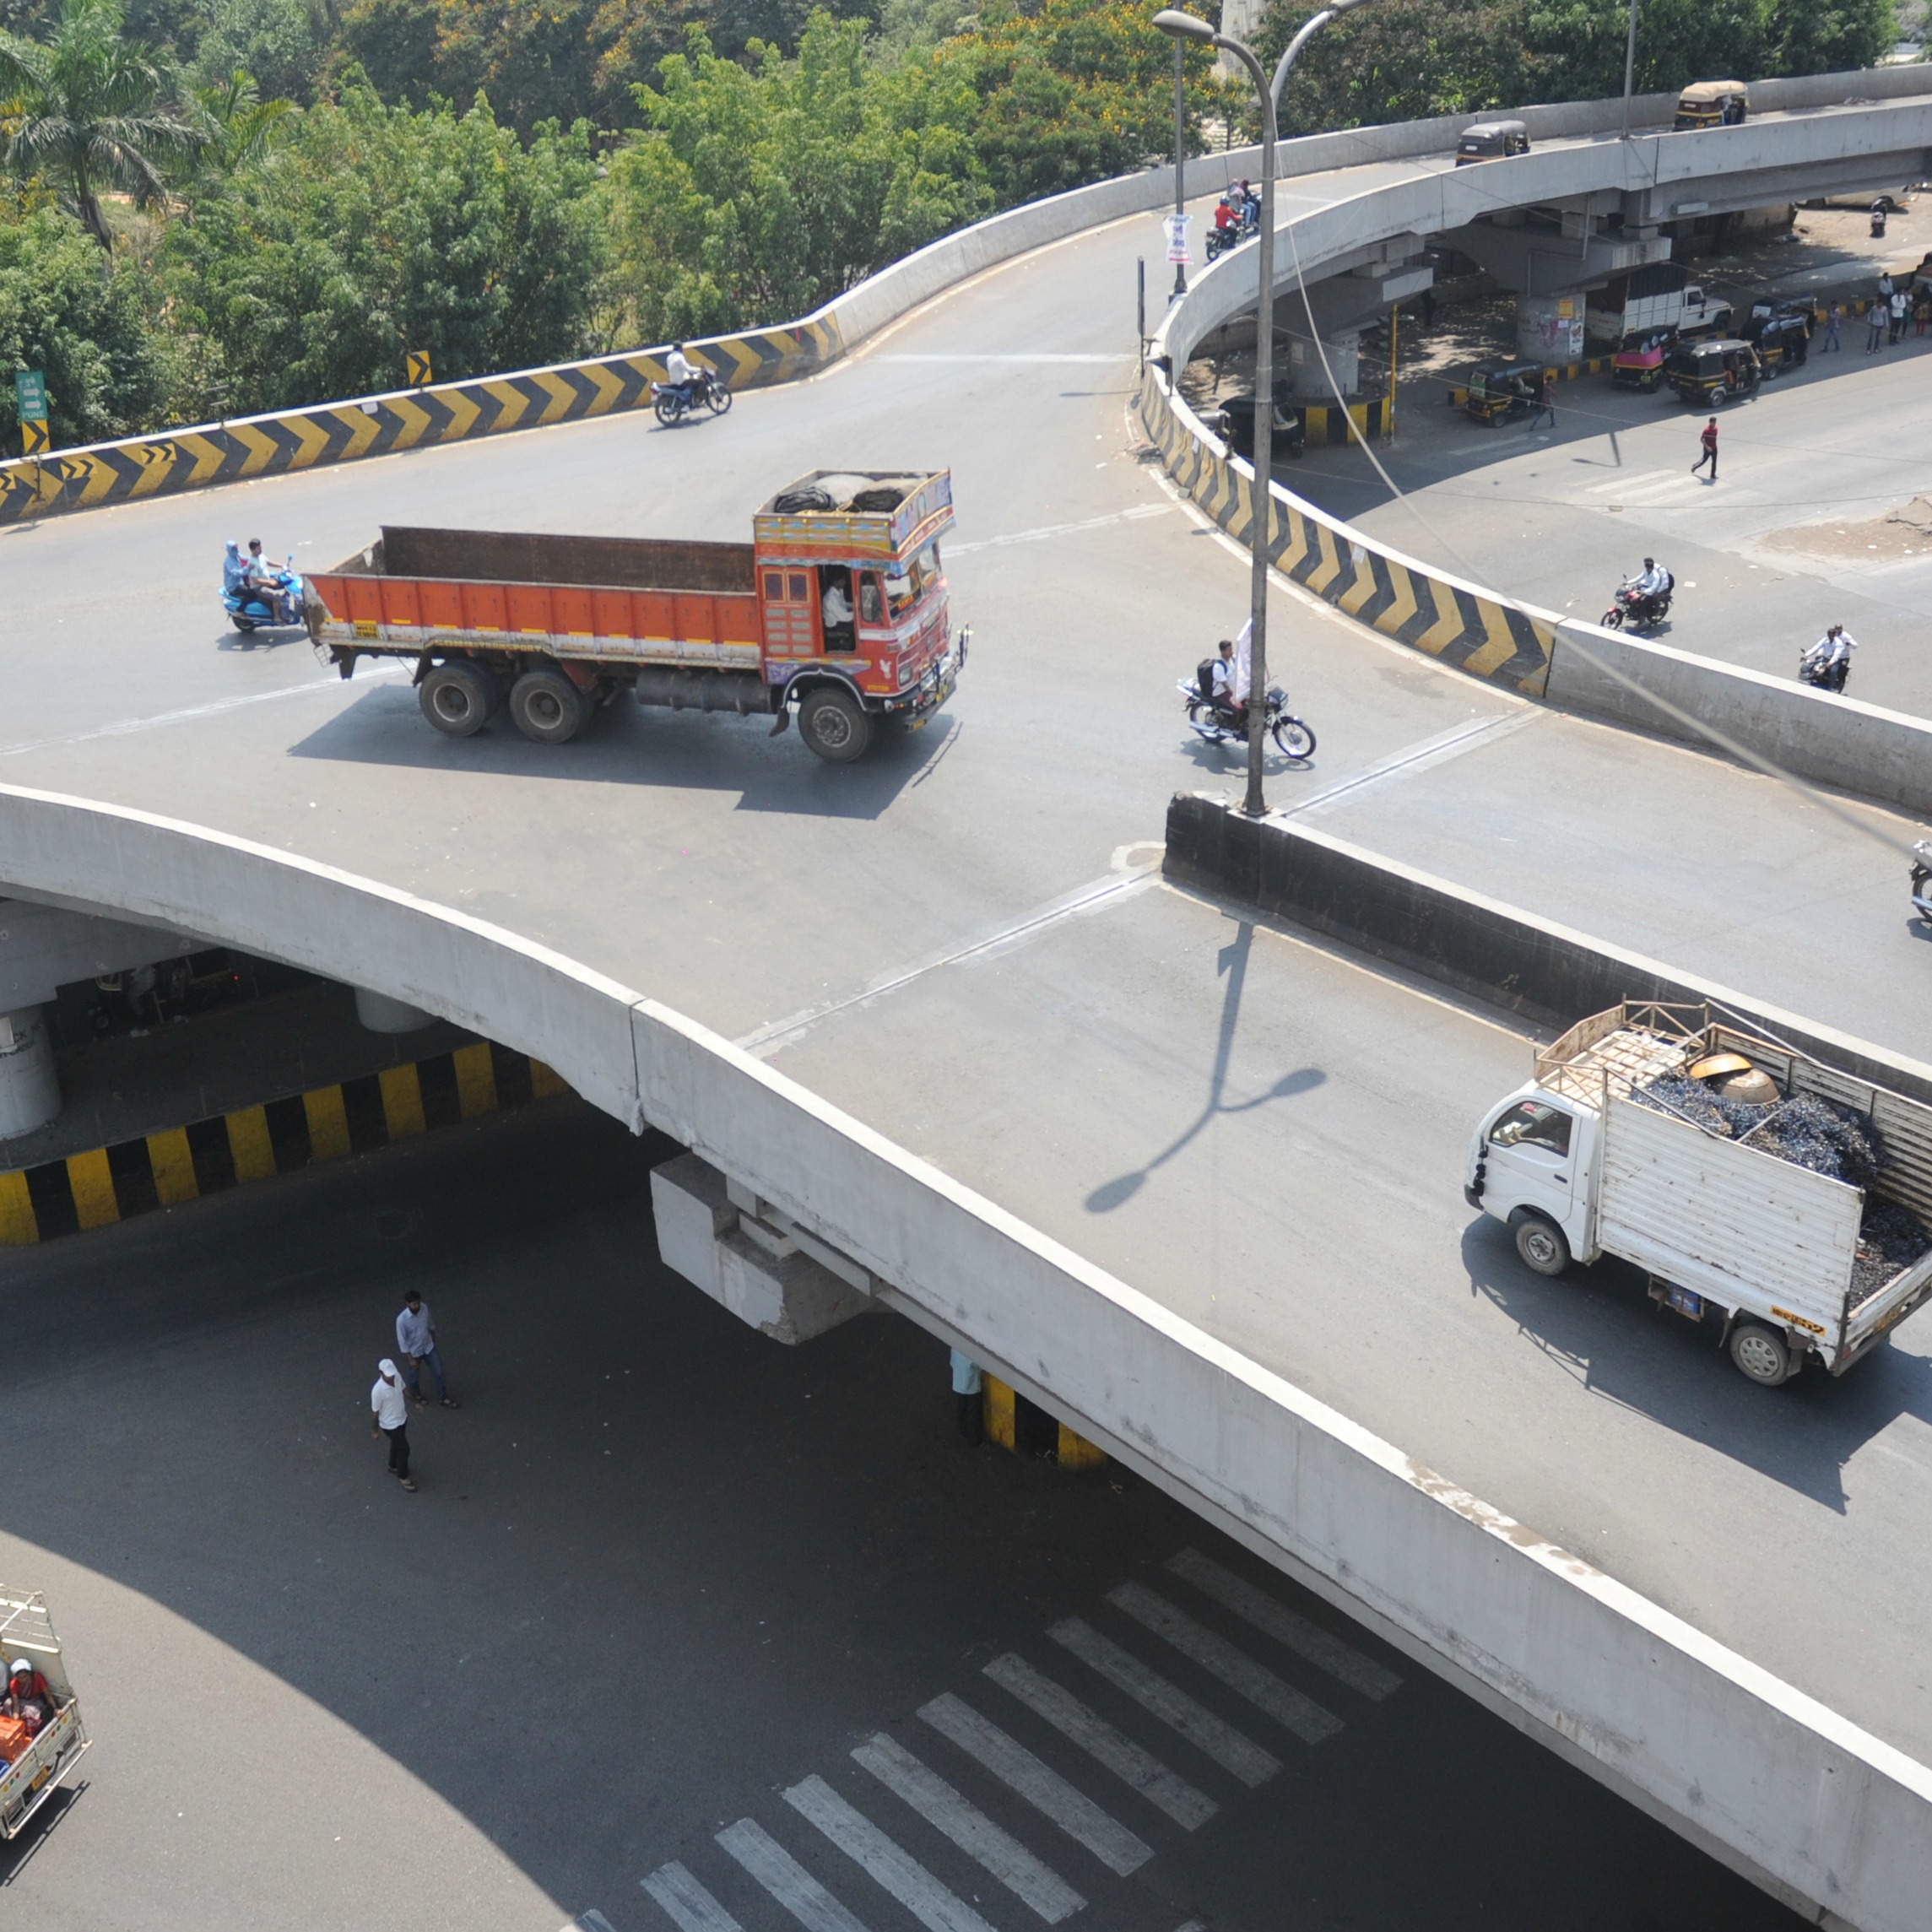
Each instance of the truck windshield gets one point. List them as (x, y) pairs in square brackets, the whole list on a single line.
[(903, 590), (1533, 1123)]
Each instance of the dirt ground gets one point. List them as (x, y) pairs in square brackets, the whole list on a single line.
[(1904, 532)]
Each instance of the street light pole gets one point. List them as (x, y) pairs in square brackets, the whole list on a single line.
[(1181, 166), (1186, 27), (1629, 67)]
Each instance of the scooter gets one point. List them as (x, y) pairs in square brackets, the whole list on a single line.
[(1635, 609), (1216, 725), (675, 400), (1921, 878), (249, 608), (1814, 670)]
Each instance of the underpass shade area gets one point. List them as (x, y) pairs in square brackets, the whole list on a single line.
[(1271, 1139), (659, 1573)]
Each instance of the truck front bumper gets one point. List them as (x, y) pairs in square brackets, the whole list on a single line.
[(933, 690)]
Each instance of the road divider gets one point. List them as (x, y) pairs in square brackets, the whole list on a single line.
[(179, 1164)]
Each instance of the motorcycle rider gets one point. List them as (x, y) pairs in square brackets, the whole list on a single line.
[(266, 581), (1652, 583), (681, 372), (234, 571), (1829, 663), (1219, 684)]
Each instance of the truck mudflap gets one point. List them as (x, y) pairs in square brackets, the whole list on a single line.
[(33, 1778)]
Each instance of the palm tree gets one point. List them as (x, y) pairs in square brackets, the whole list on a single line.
[(88, 112)]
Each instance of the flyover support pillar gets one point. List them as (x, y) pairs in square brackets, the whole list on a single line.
[(30, 1086)]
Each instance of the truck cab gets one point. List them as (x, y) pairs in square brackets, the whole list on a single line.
[(1529, 1165)]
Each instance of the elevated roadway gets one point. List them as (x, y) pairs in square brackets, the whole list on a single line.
[(948, 940)]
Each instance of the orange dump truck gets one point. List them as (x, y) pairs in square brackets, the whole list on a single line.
[(835, 613)]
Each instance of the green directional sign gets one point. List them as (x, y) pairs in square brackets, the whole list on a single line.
[(30, 386)]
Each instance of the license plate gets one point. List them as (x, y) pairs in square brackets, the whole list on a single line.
[(45, 1771), (363, 628)]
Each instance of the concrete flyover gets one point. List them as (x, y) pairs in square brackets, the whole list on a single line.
[(958, 950), (1610, 196)]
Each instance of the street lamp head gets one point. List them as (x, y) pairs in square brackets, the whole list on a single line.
[(1182, 26)]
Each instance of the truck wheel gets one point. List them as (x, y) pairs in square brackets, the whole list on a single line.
[(458, 697), (1541, 1244), (547, 706), (835, 726), (1760, 1353)]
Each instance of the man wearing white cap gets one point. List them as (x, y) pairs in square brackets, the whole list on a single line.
[(389, 1416)]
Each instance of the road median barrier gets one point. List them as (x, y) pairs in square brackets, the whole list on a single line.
[(179, 1164)]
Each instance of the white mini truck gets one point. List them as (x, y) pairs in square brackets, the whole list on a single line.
[(35, 1774), (1764, 1250)]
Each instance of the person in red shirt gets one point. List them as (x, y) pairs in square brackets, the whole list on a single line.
[(29, 1698), (1709, 440)]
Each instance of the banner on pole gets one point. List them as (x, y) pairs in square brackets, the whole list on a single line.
[(1177, 227)]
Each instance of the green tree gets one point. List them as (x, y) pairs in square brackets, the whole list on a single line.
[(757, 193), (84, 322), (280, 43), (92, 112), (369, 230)]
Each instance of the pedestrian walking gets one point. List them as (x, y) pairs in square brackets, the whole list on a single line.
[(1901, 307), (1921, 310), (416, 1336), (1541, 405), (389, 1416), (969, 1397), (1875, 328), (1834, 317), (1709, 440)]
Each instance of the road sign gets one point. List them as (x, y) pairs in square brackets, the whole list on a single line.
[(34, 437), (31, 388), (1177, 227), (420, 374)]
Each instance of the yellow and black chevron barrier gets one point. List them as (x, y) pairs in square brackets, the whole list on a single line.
[(1328, 422), (1025, 1428), (379, 426), (256, 1143), (1470, 629)]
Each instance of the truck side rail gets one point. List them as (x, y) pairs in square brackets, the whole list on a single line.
[(31, 1780)]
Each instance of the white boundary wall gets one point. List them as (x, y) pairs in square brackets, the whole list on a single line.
[(1823, 1814)]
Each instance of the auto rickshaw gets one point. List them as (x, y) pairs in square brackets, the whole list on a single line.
[(1492, 141), (1712, 104), (1639, 364), (1501, 388), (1780, 333), (1237, 426), (1708, 374)]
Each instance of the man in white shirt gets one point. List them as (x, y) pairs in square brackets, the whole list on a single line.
[(679, 368), (416, 1336), (1831, 657), (389, 1416)]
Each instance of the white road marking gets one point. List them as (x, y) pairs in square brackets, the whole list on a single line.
[(690, 1906), (1171, 1793), (769, 1039), (1239, 1756), (969, 1828), (123, 726), (1626, 480), (1255, 1606), (592, 1921), (1436, 751), (786, 1878), (1083, 1821), (1234, 1667), (893, 1869), (1139, 513)]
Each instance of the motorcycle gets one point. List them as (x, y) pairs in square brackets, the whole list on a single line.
[(1215, 725), (1220, 240), (675, 400), (250, 609), (1822, 676), (1922, 878), (1635, 609)]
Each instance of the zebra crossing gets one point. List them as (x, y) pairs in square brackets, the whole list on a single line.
[(970, 1757)]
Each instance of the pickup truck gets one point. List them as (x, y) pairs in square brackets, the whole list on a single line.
[(1648, 302), (31, 1770), (835, 614), (1665, 1136)]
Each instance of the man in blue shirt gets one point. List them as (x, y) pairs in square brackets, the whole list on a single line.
[(416, 1337)]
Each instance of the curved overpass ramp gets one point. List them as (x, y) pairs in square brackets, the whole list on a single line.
[(955, 949)]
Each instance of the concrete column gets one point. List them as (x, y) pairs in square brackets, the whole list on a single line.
[(30, 1088), (381, 1014)]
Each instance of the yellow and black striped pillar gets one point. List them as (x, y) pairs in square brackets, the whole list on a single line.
[(1025, 1429)]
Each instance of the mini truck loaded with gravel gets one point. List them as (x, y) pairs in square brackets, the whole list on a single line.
[(835, 614), (1779, 1201)]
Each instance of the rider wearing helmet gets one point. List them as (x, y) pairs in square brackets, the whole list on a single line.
[(1652, 585)]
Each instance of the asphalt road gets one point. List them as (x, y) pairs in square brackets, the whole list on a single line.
[(658, 1572), (737, 878)]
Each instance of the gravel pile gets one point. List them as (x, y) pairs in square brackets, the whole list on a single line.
[(1891, 1238), (1806, 1131)]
